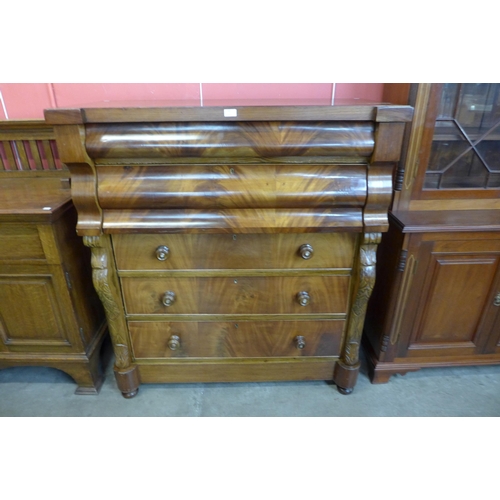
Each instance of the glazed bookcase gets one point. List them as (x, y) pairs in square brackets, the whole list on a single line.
[(437, 299)]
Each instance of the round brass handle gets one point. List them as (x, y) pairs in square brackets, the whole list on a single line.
[(497, 300), (306, 251), (303, 298), (162, 252), (174, 342), (168, 298), (300, 342)]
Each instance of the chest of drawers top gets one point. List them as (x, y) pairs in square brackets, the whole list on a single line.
[(239, 170)]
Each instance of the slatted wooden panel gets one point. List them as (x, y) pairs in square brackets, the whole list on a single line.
[(28, 146)]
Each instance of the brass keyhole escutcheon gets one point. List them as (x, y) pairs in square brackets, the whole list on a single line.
[(174, 342), (168, 298), (300, 342), (162, 252), (303, 298), (306, 251)]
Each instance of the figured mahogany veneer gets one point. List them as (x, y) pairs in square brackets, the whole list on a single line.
[(233, 251), (231, 246), (242, 295), (235, 339), (231, 186)]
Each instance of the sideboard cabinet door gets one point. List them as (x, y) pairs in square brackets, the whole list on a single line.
[(451, 311)]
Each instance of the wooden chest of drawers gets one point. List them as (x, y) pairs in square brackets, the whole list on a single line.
[(232, 249), (50, 314)]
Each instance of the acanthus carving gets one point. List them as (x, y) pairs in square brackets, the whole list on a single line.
[(101, 280), (364, 288)]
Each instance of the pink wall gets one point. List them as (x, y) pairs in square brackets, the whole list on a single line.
[(28, 100)]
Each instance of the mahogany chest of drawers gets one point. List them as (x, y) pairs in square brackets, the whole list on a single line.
[(232, 246)]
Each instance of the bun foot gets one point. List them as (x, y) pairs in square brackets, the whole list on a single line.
[(345, 390), (128, 381), (129, 395), (345, 377)]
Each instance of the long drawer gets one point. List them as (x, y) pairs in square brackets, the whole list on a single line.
[(228, 251), (235, 339), (242, 295)]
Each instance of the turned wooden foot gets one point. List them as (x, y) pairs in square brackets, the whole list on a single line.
[(129, 395), (345, 390), (128, 381), (345, 377)]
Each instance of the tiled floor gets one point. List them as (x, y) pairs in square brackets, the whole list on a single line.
[(468, 391)]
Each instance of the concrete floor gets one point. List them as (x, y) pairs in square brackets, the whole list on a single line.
[(460, 392)]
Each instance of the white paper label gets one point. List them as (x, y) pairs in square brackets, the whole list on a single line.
[(230, 112)]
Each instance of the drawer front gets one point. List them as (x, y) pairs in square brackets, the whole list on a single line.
[(242, 295), (20, 243), (231, 339), (162, 187), (236, 139), (238, 251)]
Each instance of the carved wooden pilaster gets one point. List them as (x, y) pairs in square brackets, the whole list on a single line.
[(106, 285), (347, 368)]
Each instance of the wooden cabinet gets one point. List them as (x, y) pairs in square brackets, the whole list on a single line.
[(232, 246), (50, 314), (437, 298)]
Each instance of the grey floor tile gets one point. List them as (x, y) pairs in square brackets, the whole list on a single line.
[(431, 392)]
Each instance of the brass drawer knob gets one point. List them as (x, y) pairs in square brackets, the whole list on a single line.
[(306, 251), (168, 298), (174, 342), (303, 298), (300, 342), (162, 252), (497, 300)]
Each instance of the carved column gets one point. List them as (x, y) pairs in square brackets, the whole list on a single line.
[(106, 284), (347, 368)]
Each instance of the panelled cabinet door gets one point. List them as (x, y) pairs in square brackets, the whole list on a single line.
[(451, 309), (31, 319)]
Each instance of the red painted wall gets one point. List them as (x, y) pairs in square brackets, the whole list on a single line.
[(28, 100)]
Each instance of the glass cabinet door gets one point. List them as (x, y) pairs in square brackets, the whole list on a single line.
[(465, 151)]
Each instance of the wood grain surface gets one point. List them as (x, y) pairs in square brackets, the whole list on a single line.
[(244, 295), (230, 139), (236, 339), (231, 251), (233, 221), (231, 186)]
